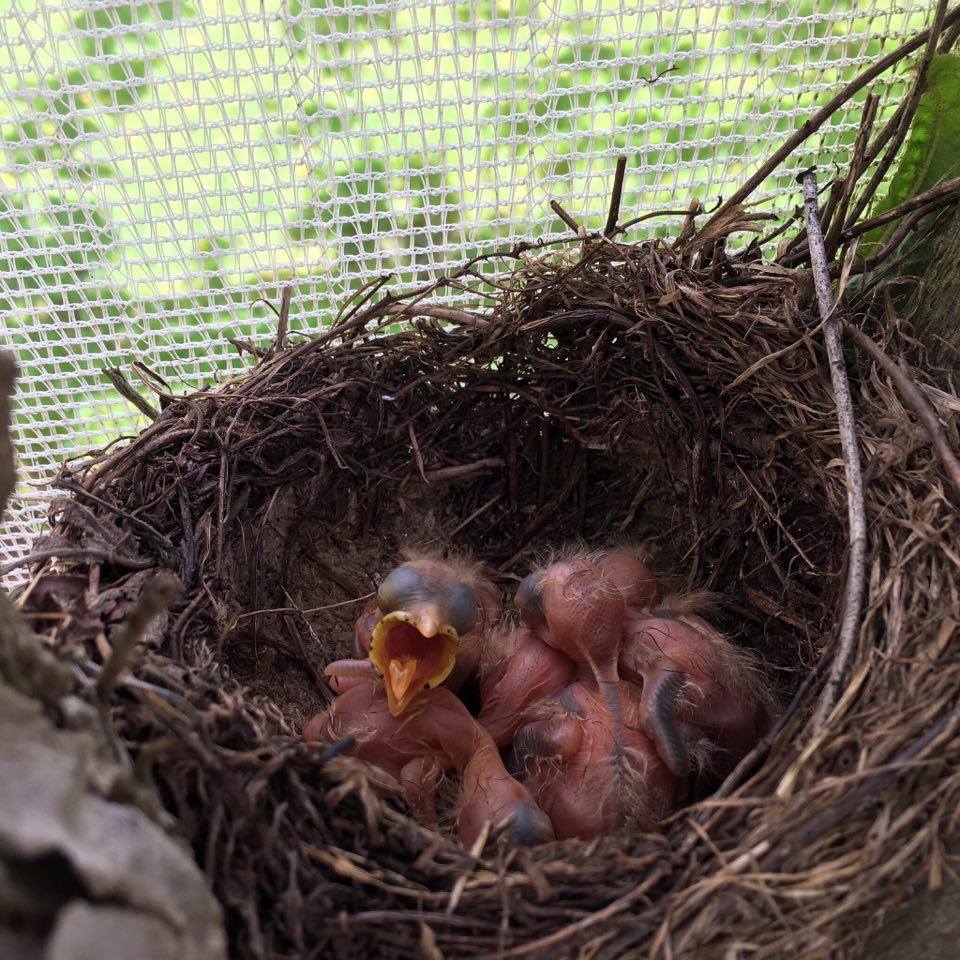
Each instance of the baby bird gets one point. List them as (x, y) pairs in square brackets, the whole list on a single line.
[(435, 734), (703, 698), (586, 756), (527, 672), (426, 627), (701, 695), (527, 669)]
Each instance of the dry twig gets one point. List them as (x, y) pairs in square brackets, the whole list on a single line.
[(846, 418), (158, 593), (899, 125), (122, 386), (914, 399), (814, 123), (616, 196)]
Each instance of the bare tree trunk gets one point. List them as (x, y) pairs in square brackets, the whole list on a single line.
[(937, 318)]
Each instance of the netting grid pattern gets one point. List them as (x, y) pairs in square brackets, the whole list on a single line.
[(167, 165)]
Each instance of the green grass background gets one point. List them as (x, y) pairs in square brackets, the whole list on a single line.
[(165, 163)]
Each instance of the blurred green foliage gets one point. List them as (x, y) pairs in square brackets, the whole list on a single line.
[(143, 211), (930, 155)]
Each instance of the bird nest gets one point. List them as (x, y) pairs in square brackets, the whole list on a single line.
[(669, 393)]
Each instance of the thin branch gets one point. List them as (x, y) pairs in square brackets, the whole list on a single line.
[(483, 508), (437, 311), (615, 197), (857, 165), (147, 376), (894, 129), (158, 593), (913, 398), (283, 321), (266, 303), (936, 30), (857, 520), (119, 382), (460, 470), (624, 227), (689, 225), (363, 296), (899, 125), (945, 192), (885, 255), (567, 219), (244, 346), (950, 37), (818, 119), (417, 455)]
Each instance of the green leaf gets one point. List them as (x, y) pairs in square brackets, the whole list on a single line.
[(932, 150)]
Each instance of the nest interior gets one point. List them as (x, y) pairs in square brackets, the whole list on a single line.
[(668, 393)]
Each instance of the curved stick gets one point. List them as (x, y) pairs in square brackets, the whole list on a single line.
[(846, 418)]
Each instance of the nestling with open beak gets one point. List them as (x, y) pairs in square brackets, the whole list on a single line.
[(580, 738), (435, 735), (426, 627)]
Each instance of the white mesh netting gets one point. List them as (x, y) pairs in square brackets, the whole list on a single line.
[(168, 162)]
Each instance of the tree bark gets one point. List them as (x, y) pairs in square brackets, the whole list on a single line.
[(937, 317)]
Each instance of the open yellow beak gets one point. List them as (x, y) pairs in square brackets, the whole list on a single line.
[(413, 652)]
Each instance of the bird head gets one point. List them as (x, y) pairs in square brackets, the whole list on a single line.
[(425, 609), (574, 608), (627, 569)]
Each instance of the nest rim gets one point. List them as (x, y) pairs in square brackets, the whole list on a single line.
[(613, 865), (724, 340)]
